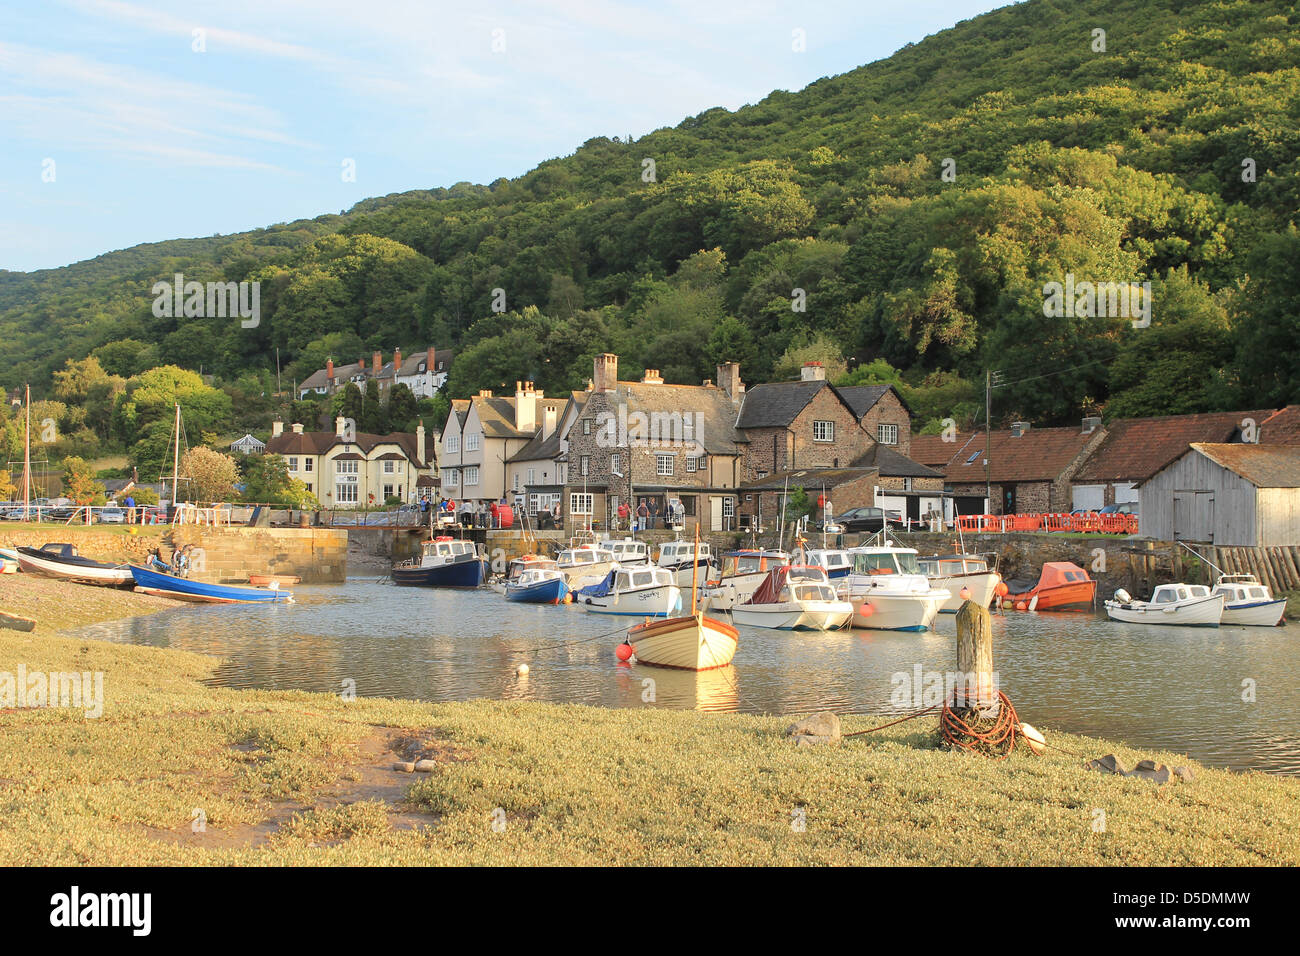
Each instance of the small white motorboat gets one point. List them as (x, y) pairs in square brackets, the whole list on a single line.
[(537, 585), (795, 597), (645, 591), (958, 573), (517, 567), (1246, 601), (1186, 605), (687, 560), (743, 572), (627, 550), (888, 591), (585, 564), (836, 562)]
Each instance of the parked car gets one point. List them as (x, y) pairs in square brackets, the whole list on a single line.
[(862, 519), (1122, 508), (111, 516)]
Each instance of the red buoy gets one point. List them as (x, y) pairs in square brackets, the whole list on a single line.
[(624, 651), (965, 594)]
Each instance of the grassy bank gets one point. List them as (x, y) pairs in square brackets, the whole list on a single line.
[(307, 778)]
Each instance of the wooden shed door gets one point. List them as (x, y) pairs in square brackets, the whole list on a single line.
[(1194, 516)]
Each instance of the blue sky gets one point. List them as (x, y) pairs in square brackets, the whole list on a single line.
[(151, 139)]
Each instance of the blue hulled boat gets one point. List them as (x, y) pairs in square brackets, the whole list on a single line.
[(184, 589), (446, 563), (538, 586)]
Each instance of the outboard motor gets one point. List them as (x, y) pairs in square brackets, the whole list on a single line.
[(1123, 596)]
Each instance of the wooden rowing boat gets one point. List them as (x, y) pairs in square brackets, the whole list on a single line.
[(692, 642), (279, 580)]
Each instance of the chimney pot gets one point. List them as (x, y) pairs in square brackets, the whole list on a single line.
[(813, 372), (277, 428), (297, 428), (605, 372)]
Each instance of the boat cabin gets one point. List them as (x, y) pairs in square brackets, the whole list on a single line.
[(835, 563), (682, 552), (628, 551), (448, 550), (583, 554), (1175, 593), (638, 579), (1242, 589), (525, 563), (533, 574), (951, 565), (885, 561)]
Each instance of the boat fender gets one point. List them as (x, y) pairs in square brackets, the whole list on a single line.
[(1035, 740)]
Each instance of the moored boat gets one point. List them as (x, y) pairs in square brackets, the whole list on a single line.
[(688, 561), (644, 591), (1061, 586), (836, 562), (627, 550), (742, 573), (444, 563), (1247, 602), (585, 564), (1185, 605), (517, 567), (58, 560), (956, 573), (795, 597), (538, 586), (278, 580), (692, 642), (888, 591), (149, 581)]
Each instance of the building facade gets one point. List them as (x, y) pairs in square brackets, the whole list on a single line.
[(353, 470)]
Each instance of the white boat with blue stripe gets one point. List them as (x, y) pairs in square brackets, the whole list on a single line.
[(638, 591)]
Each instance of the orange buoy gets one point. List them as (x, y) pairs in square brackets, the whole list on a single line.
[(624, 651)]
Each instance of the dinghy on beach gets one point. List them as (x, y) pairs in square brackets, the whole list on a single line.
[(58, 560), (148, 581)]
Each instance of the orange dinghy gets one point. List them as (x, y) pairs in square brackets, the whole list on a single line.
[(279, 580), (1061, 586)]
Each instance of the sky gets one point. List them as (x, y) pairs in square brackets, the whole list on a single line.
[(129, 122)]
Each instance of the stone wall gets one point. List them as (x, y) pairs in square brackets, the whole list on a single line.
[(888, 410), (224, 555)]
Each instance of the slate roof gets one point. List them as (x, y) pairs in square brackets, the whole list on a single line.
[(1040, 454), (319, 443), (548, 449), (894, 464), (717, 414), (1264, 466), (777, 404), (863, 398), (1136, 448), (808, 478), (497, 414), (410, 366)]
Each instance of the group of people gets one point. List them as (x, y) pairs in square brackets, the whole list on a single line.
[(498, 514), (495, 514)]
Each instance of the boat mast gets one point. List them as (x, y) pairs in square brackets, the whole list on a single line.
[(27, 459), (176, 453), (695, 565)]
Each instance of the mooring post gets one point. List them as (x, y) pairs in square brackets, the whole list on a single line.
[(975, 660)]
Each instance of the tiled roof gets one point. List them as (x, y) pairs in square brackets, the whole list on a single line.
[(1264, 466), (1136, 448), (1040, 454), (548, 448), (319, 443), (497, 414), (1282, 428), (893, 464), (717, 414)]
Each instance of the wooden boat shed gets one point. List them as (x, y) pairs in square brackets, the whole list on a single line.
[(1227, 495)]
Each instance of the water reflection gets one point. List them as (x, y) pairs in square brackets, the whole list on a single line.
[(1173, 688)]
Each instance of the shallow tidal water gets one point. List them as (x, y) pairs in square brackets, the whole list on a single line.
[(1171, 688)]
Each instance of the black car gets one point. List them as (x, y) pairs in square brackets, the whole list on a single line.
[(863, 519)]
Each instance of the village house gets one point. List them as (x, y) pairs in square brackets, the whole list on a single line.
[(424, 373), (880, 410), (1134, 449), (353, 470), (1226, 494), (537, 473), (656, 443), (1029, 470), (483, 433)]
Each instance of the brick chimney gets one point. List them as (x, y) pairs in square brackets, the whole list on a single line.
[(431, 361), (550, 417), (379, 362), (1018, 429), (604, 377), (329, 371), (525, 407), (397, 361), (652, 377), (277, 428), (1091, 424), (813, 372), (297, 428), (729, 381), (361, 363)]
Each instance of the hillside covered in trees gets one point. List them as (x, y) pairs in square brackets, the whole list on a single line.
[(898, 222)]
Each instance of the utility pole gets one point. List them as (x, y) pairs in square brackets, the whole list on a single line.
[(992, 380)]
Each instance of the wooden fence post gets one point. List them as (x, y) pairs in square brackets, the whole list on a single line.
[(975, 661)]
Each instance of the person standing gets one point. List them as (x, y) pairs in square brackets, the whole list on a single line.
[(623, 514), (492, 514), (654, 513), (642, 515), (130, 509)]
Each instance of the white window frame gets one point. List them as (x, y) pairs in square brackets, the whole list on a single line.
[(887, 434), (293, 463), (823, 431), (451, 477), (662, 469), (471, 441), (453, 443), (584, 466), (581, 503), (471, 475)]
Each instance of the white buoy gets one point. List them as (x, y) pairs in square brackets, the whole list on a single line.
[(1036, 741), (522, 670)]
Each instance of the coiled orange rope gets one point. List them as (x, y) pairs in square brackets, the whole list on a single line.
[(988, 737)]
